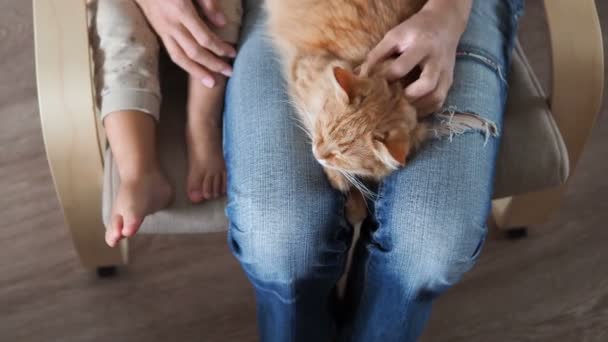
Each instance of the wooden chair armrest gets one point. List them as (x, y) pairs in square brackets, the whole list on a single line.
[(70, 124), (578, 70)]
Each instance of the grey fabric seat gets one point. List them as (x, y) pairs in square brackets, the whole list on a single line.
[(532, 156)]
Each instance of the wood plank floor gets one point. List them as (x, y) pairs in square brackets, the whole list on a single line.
[(552, 286)]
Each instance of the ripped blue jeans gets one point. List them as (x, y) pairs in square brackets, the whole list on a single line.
[(427, 225)]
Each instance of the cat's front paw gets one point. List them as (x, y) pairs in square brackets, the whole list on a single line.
[(337, 180)]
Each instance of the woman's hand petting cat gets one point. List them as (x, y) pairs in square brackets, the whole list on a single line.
[(428, 40), (188, 39)]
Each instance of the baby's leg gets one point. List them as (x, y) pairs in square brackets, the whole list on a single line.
[(126, 75), (206, 168), (207, 171), (144, 189)]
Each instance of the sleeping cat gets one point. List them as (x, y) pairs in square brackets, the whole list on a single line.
[(361, 126)]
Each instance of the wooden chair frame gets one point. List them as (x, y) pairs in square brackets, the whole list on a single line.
[(75, 142)]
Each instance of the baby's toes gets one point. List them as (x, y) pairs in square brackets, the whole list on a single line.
[(113, 233), (208, 186), (194, 186), (223, 184), (110, 241), (217, 186), (131, 224)]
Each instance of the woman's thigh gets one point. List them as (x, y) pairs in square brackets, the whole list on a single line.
[(285, 220), (430, 217), (429, 221), (435, 209)]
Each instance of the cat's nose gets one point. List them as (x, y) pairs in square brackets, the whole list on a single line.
[(327, 156), (323, 155)]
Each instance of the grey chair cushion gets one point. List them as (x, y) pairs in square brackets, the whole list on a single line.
[(532, 154)]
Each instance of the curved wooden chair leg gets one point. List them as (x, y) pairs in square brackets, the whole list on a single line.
[(70, 125)]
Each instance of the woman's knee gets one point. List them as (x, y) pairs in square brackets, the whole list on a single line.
[(441, 271), (283, 213), (292, 237), (428, 254)]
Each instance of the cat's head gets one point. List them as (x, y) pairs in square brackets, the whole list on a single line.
[(364, 126)]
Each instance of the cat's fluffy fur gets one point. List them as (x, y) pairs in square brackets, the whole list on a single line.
[(360, 124)]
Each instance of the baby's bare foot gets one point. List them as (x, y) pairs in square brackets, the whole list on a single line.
[(206, 167), (137, 198)]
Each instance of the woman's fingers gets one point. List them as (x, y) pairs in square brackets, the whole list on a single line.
[(179, 57), (213, 12), (201, 55), (206, 38), (427, 40), (188, 39), (382, 51), (409, 59), (426, 83), (429, 91), (434, 100)]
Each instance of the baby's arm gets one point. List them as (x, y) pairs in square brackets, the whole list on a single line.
[(126, 53)]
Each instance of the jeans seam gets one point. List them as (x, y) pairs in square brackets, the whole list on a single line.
[(478, 249), (370, 251), (379, 204), (485, 58)]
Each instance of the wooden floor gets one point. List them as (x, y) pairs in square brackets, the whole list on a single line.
[(552, 286)]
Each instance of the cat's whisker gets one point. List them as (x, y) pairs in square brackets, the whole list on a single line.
[(300, 123), (367, 193), (358, 184), (301, 126)]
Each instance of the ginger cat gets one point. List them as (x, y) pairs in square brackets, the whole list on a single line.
[(360, 124)]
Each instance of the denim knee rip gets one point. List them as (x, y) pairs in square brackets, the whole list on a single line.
[(452, 120)]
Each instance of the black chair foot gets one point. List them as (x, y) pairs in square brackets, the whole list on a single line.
[(107, 271), (517, 233)]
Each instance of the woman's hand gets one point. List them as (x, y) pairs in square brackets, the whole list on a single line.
[(189, 41), (427, 40)]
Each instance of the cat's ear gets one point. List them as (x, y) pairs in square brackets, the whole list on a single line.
[(345, 83), (393, 147)]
